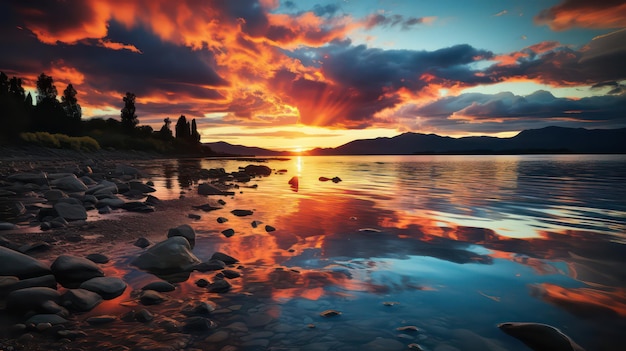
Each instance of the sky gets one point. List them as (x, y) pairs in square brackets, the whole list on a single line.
[(293, 75)]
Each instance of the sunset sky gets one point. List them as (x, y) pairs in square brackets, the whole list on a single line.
[(290, 75)]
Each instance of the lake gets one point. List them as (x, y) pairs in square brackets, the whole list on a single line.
[(453, 245)]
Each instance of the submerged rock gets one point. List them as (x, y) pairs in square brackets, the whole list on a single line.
[(186, 231), (224, 258), (34, 299), (80, 300), (159, 286), (107, 287), (242, 213)]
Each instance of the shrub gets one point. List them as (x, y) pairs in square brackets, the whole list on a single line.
[(61, 141)]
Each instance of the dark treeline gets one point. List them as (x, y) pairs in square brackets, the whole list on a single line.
[(22, 121)]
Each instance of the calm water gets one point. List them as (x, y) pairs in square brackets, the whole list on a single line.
[(451, 244)]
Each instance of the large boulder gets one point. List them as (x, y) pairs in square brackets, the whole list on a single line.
[(171, 255), (10, 283), (186, 231), (71, 271), (69, 183), (70, 212), (13, 263), (261, 170), (107, 287)]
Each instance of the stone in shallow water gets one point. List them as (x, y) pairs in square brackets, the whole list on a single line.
[(102, 319), (539, 336), (80, 300), (224, 258), (219, 286), (71, 212), (53, 319), (171, 255), (228, 232), (13, 263), (72, 270), (159, 286), (198, 324), (210, 265), (151, 297), (142, 242), (31, 299), (97, 258), (330, 313), (222, 220), (231, 274), (107, 287), (241, 213), (186, 231)]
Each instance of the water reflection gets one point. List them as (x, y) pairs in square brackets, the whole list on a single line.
[(461, 243)]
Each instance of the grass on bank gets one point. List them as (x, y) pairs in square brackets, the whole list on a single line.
[(60, 141)]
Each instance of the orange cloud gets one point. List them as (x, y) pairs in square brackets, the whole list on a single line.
[(584, 14), (118, 46)]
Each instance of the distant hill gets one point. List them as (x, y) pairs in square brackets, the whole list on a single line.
[(222, 147), (544, 140)]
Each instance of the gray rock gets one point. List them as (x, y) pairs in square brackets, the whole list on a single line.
[(10, 209), (104, 187), (126, 170), (54, 195), (13, 263), (31, 299), (171, 255), (97, 258), (198, 324), (159, 286), (222, 220), (71, 212), (269, 228), (102, 319), (261, 170), (210, 265), (71, 271), (137, 206), (210, 189), (80, 300), (7, 226), (224, 258), (141, 187), (219, 286), (142, 242), (151, 297), (69, 183), (8, 284), (112, 202), (228, 232), (35, 178), (186, 231), (242, 213), (144, 316), (107, 287), (53, 319), (231, 274)]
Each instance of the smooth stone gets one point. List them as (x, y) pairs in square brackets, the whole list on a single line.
[(107, 287), (31, 299), (141, 187), (258, 320), (71, 212), (69, 183), (194, 216), (35, 247), (104, 210), (71, 334), (198, 324), (202, 283), (199, 308), (222, 220), (210, 265), (330, 313), (73, 270), (207, 207), (8, 284), (137, 206), (80, 300), (269, 228), (151, 297), (231, 274), (228, 232), (255, 224), (40, 178), (54, 195), (540, 337), (218, 336), (102, 319), (258, 170), (144, 316), (10, 209), (111, 202), (219, 286), (142, 242), (7, 226), (53, 319), (97, 258), (241, 213), (159, 286), (224, 258), (13, 263), (209, 189), (186, 231), (171, 255)]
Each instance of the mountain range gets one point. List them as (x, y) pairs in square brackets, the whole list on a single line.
[(531, 141)]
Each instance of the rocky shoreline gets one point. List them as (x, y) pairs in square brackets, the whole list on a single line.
[(54, 261)]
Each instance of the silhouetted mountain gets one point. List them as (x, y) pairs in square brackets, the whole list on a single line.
[(222, 147), (545, 140)]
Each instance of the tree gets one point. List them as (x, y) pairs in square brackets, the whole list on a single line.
[(195, 136), (72, 109), (165, 132), (45, 88), (14, 108), (182, 128), (129, 119)]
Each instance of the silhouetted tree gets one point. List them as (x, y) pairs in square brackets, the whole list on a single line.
[(165, 132), (183, 131), (45, 88), (14, 109), (129, 119), (72, 109), (195, 136)]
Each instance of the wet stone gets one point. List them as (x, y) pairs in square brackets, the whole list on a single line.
[(97, 258), (231, 274), (210, 265), (159, 286), (144, 316), (202, 283), (151, 297), (102, 319), (224, 258), (218, 336), (198, 324), (228, 232), (241, 213), (219, 286), (222, 220)]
